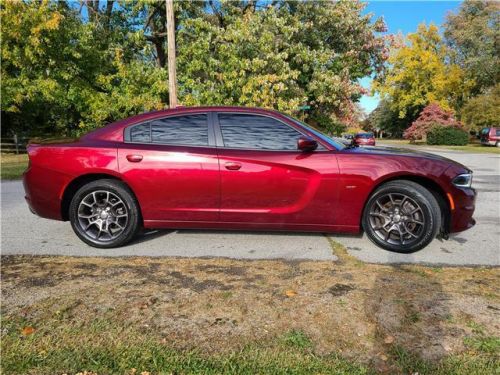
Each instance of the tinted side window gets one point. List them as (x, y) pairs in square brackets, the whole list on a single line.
[(190, 130), (256, 132), (140, 133)]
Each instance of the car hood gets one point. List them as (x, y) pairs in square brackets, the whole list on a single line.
[(395, 151)]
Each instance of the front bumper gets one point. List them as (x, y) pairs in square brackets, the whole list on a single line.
[(464, 201)]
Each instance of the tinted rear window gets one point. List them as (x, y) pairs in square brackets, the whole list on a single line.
[(181, 130), (140, 133), (188, 130)]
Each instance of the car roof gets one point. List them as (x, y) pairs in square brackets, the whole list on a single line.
[(114, 131)]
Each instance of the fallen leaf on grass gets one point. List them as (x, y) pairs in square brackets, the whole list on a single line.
[(290, 293), (27, 331), (389, 339)]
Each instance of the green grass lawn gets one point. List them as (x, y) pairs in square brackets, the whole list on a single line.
[(13, 166), (222, 316), (472, 147)]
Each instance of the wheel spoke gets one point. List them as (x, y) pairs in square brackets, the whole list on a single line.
[(387, 234), (414, 211), (411, 220), (376, 214), (401, 204), (392, 200), (381, 207), (87, 216)]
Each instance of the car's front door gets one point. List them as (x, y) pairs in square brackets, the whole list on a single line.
[(265, 179), (171, 165)]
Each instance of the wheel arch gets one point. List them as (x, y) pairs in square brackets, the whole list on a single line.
[(426, 182), (82, 180)]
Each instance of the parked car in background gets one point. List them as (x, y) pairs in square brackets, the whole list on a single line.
[(243, 168), (490, 137), (364, 139)]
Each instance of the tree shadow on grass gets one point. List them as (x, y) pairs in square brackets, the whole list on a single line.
[(408, 309)]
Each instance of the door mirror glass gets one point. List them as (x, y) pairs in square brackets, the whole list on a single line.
[(307, 144)]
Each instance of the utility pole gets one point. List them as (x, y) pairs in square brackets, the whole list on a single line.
[(172, 75)]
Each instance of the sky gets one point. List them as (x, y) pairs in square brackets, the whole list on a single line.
[(404, 16)]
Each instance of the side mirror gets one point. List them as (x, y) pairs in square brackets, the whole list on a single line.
[(306, 144)]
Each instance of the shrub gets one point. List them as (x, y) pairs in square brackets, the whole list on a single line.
[(431, 116), (440, 135)]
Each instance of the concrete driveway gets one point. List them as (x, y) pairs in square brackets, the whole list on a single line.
[(25, 233)]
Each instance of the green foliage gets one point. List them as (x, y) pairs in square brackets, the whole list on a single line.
[(483, 110), (440, 135), (386, 119), (473, 34), (61, 75), (66, 73), (281, 57)]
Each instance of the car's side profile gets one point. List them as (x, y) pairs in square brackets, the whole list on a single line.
[(243, 168), (490, 137)]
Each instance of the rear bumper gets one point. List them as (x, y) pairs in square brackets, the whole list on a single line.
[(464, 201), (43, 190)]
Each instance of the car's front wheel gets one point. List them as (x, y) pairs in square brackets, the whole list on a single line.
[(104, 214), (402, 216)]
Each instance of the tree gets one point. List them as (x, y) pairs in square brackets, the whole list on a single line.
[(62, 75), (431, 116), (419, 74), (280, 55), (385, 119), (483, 110), (473, 33), (69, 67)]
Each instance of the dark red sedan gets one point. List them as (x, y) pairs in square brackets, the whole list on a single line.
[(364, 139), (241, 168)]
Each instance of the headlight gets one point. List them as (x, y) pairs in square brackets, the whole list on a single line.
[(463, 180)]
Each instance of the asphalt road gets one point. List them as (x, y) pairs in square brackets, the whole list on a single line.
[(25, 233)]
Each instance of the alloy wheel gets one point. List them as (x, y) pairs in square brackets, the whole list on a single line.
[(102, 215), (397, 219)]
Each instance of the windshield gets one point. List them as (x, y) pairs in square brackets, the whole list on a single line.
[(334, 141), (364, 135)]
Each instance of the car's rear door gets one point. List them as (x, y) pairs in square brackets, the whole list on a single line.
[(266, 180), (171, 165)]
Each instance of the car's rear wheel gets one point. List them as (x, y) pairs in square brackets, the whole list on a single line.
[(104, 214), (402, 216)]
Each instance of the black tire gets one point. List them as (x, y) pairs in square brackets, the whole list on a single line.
[(115, 207), (415, 220)]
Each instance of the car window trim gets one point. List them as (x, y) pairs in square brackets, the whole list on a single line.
[(210, 131), (220, 139)]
